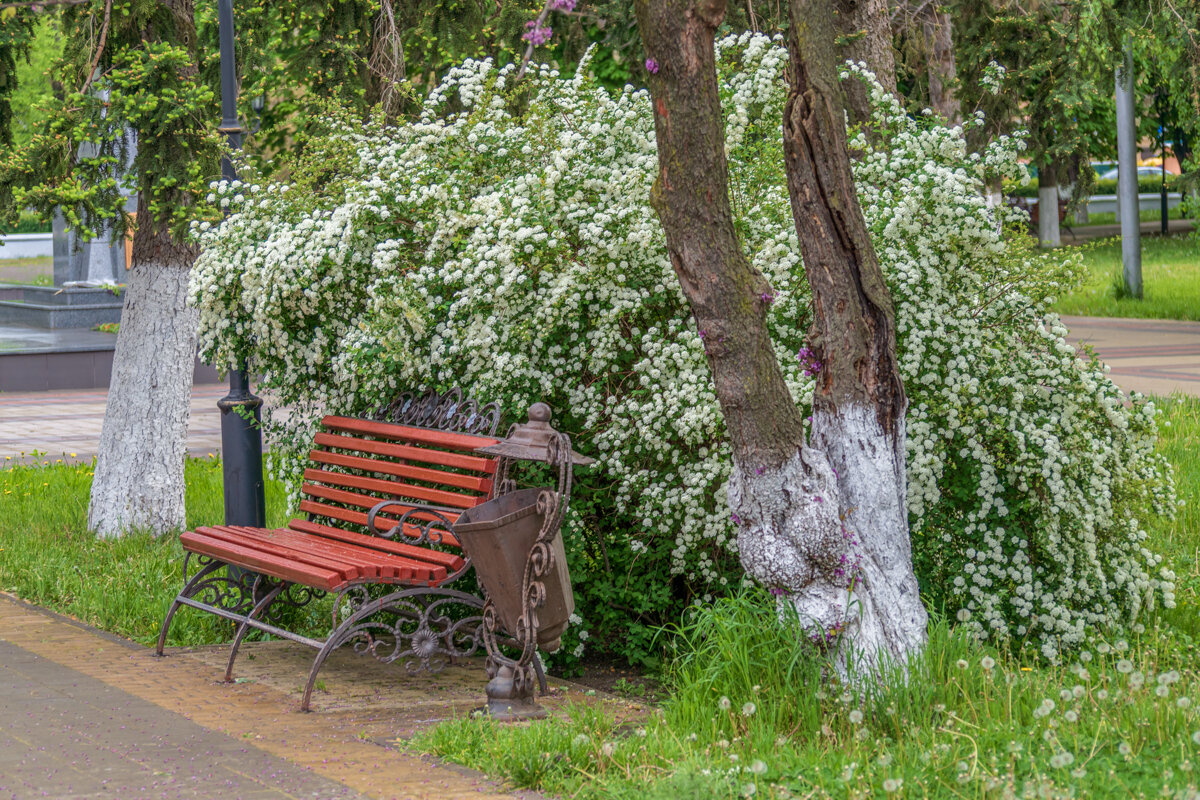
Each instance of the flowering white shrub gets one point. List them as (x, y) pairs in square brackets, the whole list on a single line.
[(505, 242)]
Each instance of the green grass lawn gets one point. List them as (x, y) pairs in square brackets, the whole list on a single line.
[(122, 585), (1170, 277), (36, 271)]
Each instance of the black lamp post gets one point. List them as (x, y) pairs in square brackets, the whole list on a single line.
[(1162, 145), (241, 439)]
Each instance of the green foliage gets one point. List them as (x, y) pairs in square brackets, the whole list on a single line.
[(145, 81), (33, 99), (28, 222), (17, 30), (1059, 61)]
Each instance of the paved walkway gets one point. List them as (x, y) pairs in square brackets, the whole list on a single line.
[(66, 424), (87, 715), (1149, 356)]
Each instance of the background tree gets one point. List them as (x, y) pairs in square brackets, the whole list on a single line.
[(822, 518)]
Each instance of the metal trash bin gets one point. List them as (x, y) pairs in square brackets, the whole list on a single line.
[(498, 536)]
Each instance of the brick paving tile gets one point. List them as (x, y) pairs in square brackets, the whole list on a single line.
[(1148, 356), (83, 714), (63, 423)]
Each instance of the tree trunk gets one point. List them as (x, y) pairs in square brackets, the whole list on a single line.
[(728, 296), (859, 403), (138, 480), (1048, 232), (824, 524), (938, 29), (865, 32)]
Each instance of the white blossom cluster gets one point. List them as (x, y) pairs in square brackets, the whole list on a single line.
[(516, 253)]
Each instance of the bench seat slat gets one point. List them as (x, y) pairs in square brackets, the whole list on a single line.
[(457, 479), (391, 430), (419, 454), (273, 565), (346, 569), (374, 563), (440, 562), (360, 518), (387, 488)]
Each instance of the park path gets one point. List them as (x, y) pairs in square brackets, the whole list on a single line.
[(84, 714), (66, 424), (1149, 356)]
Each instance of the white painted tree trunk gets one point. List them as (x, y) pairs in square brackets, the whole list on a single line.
[(1048, 233), (138, 481), (830, 528)]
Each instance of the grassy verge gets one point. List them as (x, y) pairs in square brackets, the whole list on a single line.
[(122, 585), (1110, 217), (1170, 276), (35, 271), (750, 713)]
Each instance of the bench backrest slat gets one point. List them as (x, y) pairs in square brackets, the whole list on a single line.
[(401, 470), (385, 488), (357, 463), (449, 440), (439, 457)]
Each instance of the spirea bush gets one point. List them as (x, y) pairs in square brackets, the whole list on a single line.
[(504, 242)]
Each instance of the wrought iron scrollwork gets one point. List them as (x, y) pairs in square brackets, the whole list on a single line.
[(294, 596), (446, 412), (413, 625), (218, 589), (551, 504), (411, 529)]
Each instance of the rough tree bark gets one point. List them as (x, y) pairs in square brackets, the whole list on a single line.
[(942, 72), (822, 522), (865, 34), (138, 481)]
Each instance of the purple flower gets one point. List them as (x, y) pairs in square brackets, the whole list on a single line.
[(808, 359), (651, 66), (767, 298), (536, 34), (736, 519), (561, 5), (775, 590)]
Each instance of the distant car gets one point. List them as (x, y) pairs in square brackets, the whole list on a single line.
[(1143, 172)]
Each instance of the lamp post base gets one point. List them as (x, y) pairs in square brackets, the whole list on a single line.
[(506, 702)]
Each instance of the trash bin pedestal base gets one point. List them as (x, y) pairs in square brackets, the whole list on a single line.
[(506, 702)]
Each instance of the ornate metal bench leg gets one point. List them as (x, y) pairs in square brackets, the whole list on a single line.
[(331, 644), (541, 674), (244, 627), (187, 590)]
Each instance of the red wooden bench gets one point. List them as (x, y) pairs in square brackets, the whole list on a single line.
[(380, 497)]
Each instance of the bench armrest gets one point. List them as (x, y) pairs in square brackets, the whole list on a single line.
[(427, 531)]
